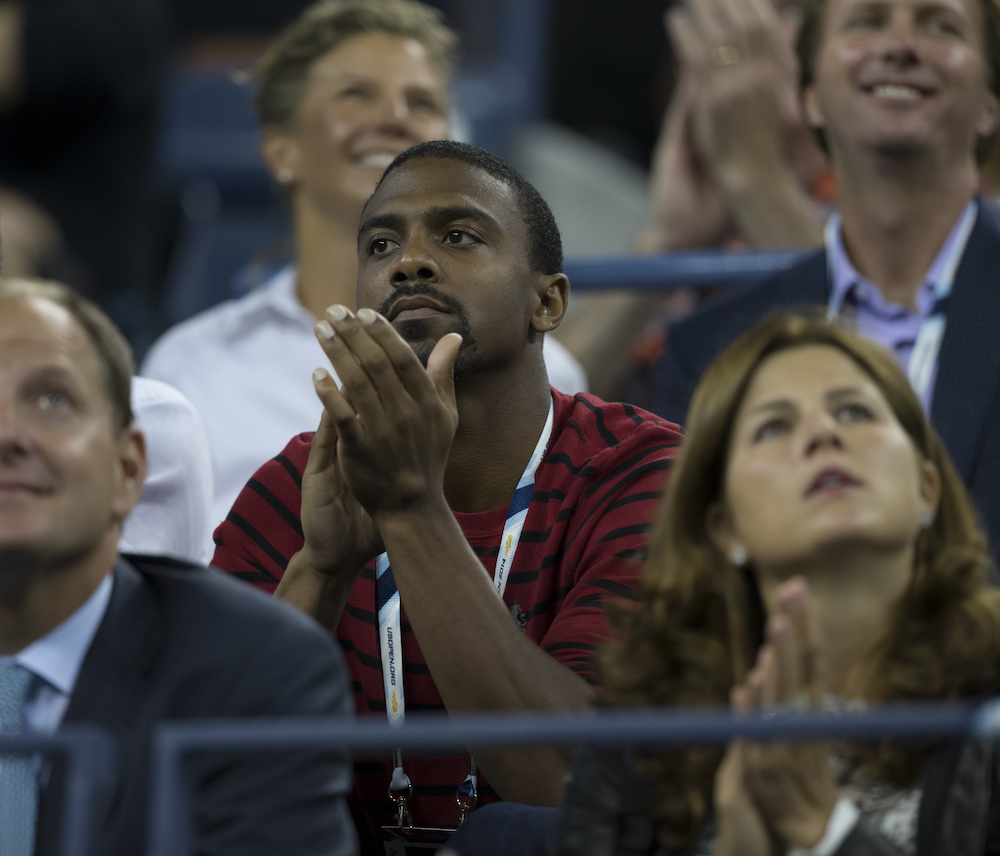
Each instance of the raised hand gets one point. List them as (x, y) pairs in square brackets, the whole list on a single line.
[(395, 420), (747, 83), (790, 783), (687, 210), (746, 130), (339, 533), (741, 830)]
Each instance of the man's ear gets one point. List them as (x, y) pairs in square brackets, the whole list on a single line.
[(280, 152), (989, 118), (810, 107), (132, 465), (552, 291)]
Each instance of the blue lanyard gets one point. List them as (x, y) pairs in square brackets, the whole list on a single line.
[(928, 345), (387, 596), (390, 625)]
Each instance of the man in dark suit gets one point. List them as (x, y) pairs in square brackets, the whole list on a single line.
[(89, 636), (904, 97)]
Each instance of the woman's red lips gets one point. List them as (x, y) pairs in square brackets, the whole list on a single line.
[(831, 479)]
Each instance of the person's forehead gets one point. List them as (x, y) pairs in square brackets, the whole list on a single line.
[(425, 184), (36, 332), (378, 55), (967, 8), (805, 372)]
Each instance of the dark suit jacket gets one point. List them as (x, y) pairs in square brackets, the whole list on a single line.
[(179, 641), (965, 408)]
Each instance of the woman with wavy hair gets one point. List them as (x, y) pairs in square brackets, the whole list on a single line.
[(815, 548)]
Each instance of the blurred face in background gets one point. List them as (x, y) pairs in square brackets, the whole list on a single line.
[(903, 76), (366, 101), (818, 461)]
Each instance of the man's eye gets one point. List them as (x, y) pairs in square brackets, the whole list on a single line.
[(771, 429), (864, 21), (354, 92), (457, 236), (53, 401), (941, 27), (380, 246)]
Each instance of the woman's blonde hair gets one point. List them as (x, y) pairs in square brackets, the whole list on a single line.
[(282, 73), (701, 619)]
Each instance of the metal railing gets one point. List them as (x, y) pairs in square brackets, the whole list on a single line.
[(700, 269), (170, 822), (89, 754)]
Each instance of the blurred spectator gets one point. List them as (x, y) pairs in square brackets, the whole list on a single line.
[(905, 103), (814, 520), (345, 89), (173, 517), (474, 462), (735, 165), (79, 91), (87, 636)]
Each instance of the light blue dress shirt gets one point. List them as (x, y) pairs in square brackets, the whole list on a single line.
[(55, 660)]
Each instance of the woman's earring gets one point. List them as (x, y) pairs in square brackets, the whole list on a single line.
[(284, 175), (738, 556), (926, 519)]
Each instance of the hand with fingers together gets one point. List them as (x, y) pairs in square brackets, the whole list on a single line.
[(687, 209), (394, 420), (733, 143), (742, 830), (791, 784), (338, 533), (746, 73)]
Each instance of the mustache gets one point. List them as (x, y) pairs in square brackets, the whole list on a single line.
[(422, 288)]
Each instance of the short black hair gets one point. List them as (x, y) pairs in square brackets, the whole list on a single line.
[(544, 242)]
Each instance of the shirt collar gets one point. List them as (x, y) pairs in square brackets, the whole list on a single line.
[(58, 655), (845, 277), (280, 295)]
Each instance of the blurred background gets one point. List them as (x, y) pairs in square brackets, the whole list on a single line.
[(129, 152)]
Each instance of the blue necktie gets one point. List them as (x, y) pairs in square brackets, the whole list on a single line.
[(18, 782)]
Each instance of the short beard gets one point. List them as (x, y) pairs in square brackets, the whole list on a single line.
[(414, 333)]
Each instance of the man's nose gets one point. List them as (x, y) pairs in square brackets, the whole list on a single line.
[(900, 39), (417, 262), (12, 440)]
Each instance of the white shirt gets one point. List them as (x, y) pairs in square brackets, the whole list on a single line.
[(247, 366), (56, 659), (173, 516)]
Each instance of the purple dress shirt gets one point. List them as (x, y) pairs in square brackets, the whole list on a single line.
[(860, 302)]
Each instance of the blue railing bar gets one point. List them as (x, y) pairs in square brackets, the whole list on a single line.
[(89, 755), (647, 725), (670, 270), (170, 818)]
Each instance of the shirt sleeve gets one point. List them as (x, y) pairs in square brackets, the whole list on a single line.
[(262, 531), (606, 542)]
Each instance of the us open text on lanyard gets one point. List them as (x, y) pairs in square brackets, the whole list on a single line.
[(390, 630), (928, 345)]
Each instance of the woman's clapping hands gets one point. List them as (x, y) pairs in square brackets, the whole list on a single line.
[(772, 796)]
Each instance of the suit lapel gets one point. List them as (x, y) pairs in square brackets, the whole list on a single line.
[(110, 685), (969, 365)]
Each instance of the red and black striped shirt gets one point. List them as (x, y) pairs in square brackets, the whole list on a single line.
[(596, 493)]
